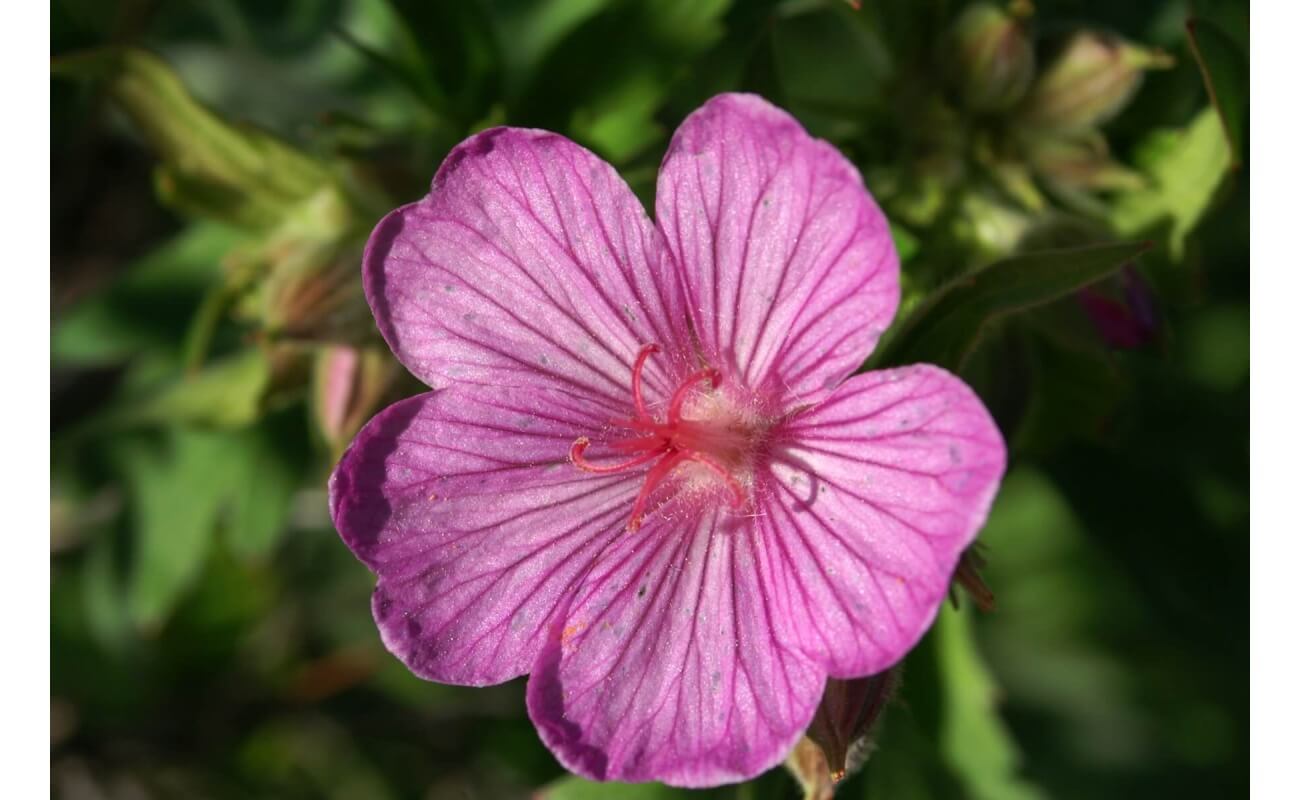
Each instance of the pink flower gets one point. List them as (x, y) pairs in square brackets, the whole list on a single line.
[(645, 476)]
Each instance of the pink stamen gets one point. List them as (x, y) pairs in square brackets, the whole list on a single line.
[(683, 391), (580, 446), (641, 357), (653, 478)]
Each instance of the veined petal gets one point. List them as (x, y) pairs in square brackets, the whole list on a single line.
[(875, 494), (787, 262), (665, 666), (530, 263), (463, 503)]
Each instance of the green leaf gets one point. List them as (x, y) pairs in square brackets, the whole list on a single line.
[(149, 306), (528, 31), (614, 110), (975, 742), (264, 473), (833, 67), (575, 788), (905, 242), (186, 486), (1225, 70), (946, 327), (228, 393), (210, 167), (1184, 168), (176, 493)]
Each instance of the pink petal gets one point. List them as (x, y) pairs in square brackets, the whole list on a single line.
[(530, 263), (463, 503), (786, 259), (665, 667), (876, 493)]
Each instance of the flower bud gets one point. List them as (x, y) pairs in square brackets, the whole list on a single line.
[(1081, 163), (990, 62), (315, 294), (1090, 81), (840, 737), (348, 386), (1122, 310)]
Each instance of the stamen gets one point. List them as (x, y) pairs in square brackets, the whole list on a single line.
[(679, 397), (653, 478), (580, 446), (637, 399)]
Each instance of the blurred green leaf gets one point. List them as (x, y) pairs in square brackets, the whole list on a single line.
[(227, 393), (575, 788), (183, 489), (210, 167), (905, 242), (1226, 74), (614, 109), (1184, 168), (528, 31), (176, 493), (833, 67), (399, 56), (264, 473), (975, 741), (105, 603), (946, 327), (149, 306)]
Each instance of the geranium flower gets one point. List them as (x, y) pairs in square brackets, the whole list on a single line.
[(644, 476)]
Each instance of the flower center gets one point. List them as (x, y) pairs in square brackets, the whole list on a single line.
[(716, 441)]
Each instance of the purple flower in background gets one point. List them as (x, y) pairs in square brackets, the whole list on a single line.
[(645, 476), (1123, 324)]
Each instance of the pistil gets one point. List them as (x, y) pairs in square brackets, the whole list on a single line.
[(717, 448)]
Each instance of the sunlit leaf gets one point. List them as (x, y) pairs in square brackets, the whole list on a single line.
[(1184, 169), (975, 741)]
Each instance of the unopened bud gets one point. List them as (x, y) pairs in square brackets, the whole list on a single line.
[(1089, 82), (1122, 309), (840, 737), (1081, 163), (316, 295), (991, 60), (968, 577), (349, 385)]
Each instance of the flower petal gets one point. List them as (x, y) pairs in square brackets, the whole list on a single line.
[(530, 263), (787, 261), (665, 667), (876, 493), (464, 505)]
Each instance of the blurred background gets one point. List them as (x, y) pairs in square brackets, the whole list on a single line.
[(217, 165)]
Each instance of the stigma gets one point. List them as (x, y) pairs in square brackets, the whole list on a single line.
[(713, 442)]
